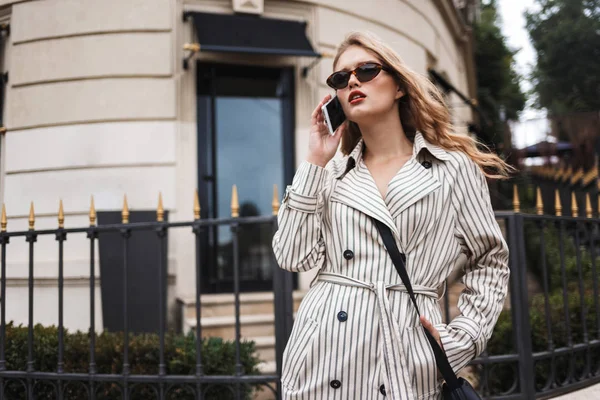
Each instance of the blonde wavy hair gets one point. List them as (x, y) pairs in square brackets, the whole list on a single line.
[(422, 109)]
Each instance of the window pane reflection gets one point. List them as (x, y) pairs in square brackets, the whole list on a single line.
[(250, 155)]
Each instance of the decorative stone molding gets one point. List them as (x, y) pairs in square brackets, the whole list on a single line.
[(248, 6)]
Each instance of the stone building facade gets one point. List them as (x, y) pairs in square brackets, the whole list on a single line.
[(98, 103)]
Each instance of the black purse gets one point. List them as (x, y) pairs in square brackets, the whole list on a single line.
[(454, 388)]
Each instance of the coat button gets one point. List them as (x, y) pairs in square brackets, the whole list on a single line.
[(335, 384), (426, 164), (342, 316), (348, 254), (382, 389)]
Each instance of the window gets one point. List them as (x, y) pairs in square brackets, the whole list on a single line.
[(245, 137)]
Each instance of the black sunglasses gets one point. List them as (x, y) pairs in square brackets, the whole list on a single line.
[(364, 73)]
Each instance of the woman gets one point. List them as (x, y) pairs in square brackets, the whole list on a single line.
[(353, 338)]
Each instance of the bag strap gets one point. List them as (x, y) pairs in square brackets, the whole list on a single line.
[(440, 356)]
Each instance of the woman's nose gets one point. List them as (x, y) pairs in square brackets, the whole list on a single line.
[(353, 81)]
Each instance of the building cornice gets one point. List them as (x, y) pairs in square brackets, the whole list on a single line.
[(462, 33), (455, 22)]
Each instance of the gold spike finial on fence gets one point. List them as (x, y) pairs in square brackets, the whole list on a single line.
[(31, 217), (588, 206), (275, 203), (196, 206), (3, 219), (235, 204), (125, 212), (160, 211), (61, 215), (516, 202), (574, 208), (539, 204), (92, 212), (557, 204)]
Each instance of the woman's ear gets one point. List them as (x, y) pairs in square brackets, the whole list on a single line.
[(399, 93)]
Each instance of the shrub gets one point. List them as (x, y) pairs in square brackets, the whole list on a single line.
[(218, 358), (552, 254), (502, 341)]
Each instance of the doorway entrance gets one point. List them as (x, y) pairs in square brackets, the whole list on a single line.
[(245, 137)]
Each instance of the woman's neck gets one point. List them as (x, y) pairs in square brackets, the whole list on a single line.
[(385, 139)]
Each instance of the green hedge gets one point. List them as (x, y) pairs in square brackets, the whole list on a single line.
[(552, 254), (218, 358), (502, 341)]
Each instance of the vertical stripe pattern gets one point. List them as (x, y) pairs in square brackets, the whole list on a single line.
[(363, 340)]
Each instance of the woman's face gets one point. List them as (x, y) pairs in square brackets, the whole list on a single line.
[(377, 97)]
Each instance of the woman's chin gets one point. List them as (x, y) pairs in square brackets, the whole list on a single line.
[(361, 116)]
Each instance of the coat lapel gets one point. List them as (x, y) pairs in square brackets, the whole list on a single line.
[(411, 184), (355, 187), (415, 197), (358, 190)]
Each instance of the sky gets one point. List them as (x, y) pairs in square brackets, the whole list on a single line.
[(532, 126)]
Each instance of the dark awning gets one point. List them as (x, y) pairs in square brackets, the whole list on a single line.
[(436, 76), (547, 148), (251, 34)]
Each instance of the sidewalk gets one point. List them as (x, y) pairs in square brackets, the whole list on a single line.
[(592, 392)]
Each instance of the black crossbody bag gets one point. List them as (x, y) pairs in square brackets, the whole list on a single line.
[(454, 388)]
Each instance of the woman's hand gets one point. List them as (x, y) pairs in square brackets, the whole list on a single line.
[(321, 144), (434, 332), (436, 335)]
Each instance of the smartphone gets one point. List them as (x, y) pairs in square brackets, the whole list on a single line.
[(334, 114)]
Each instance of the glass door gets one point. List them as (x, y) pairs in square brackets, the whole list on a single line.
[(245, 137)]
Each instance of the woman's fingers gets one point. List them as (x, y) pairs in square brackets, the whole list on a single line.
[(434, 332), (436, 335), (317, 115), (429, 326)]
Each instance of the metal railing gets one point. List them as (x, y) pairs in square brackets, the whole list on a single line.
[(124, 384), (553, 341), (553, 346)]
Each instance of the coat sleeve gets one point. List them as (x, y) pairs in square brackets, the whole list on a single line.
[(486, 271), (298, 243)]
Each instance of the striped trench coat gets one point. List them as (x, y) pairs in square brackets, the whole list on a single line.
[(356, 334)]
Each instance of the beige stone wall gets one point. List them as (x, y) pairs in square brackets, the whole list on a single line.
[(90, 110), (4, 61), (92, 82)]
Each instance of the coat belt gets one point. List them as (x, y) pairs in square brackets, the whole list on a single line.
[(395, 360)]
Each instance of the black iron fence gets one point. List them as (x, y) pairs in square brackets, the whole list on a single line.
[(119, 376), (547, 341)]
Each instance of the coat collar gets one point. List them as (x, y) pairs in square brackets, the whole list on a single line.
[(419, 143), (438, 152)]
